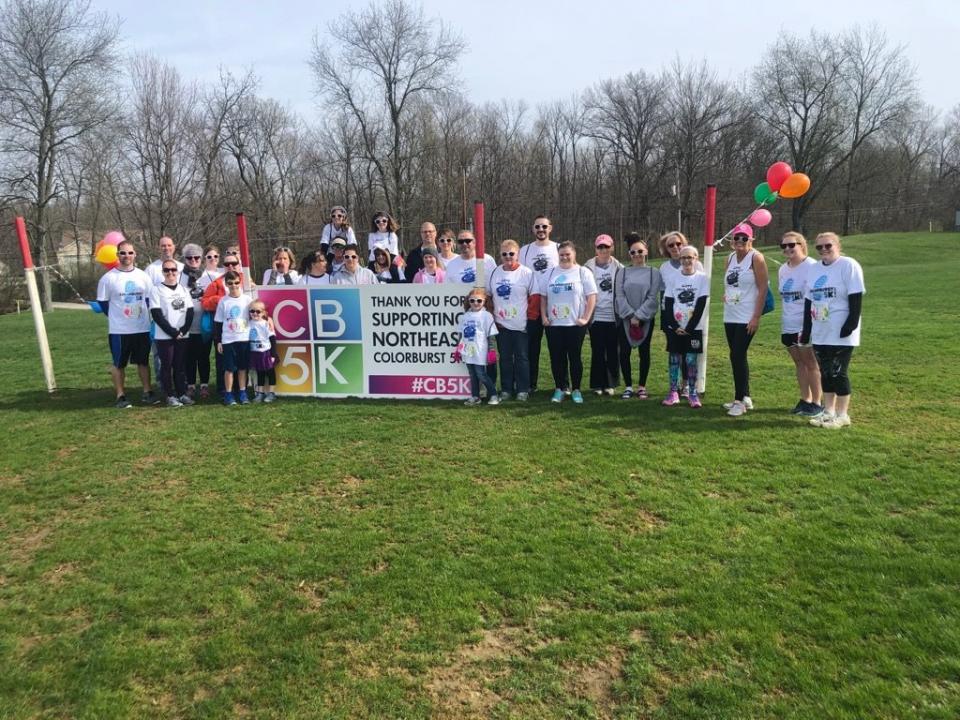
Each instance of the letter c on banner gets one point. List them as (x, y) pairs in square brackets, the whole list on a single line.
[(430, 385), (282, 330)]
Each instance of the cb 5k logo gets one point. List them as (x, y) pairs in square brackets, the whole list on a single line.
[(319, 336)]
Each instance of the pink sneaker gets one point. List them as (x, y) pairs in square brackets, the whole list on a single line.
[(672, 398), (694, 400)]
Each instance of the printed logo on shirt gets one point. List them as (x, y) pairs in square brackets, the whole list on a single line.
[(504, 289), (235, 321), (541, 263), (788, 294), (132, 299), (686, 296), (560, 285), (606, 284), (468, 275), (820, 292), (177, 303), (733, 277)]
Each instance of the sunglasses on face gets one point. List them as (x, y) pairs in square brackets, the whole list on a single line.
[(464, 241), (825, 246), (381, 220), (740, 238), (213, 257), (509, 253), (784, 246), (339, 216), (445, 241), (350, 257), (541, 227), (233, 263), (125, 252), (233, 283), (604, 247), (476, 301), (256, 312), (635, 253), (169, 270), (674, 245)]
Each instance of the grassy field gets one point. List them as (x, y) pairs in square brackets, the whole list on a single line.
[(375, 559)]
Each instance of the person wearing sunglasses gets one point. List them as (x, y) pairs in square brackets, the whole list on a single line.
[(414, 259), (447, 247), (476, 329), (124, 294), (383, 234), (167, 250), (211, 299), (281, 272), (833, 304), (352, 272), (744, 292), (684, 307), (231, 324), (636, 292), (195, 363), (339, 225), (510, 286), (792, 278), (670, 245), (604, 328), (171, 308), (463, 268), (541, 256)]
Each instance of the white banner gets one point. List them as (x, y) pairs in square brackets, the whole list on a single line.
[(369, 341)]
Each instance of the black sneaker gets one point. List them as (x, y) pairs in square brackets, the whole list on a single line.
[(122, 403), (150, 398), (799, 408), (811, 410)]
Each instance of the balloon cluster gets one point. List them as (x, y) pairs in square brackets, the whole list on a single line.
[(782, 182), (105, 252)]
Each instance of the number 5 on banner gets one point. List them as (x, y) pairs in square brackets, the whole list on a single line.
[(295, 371)]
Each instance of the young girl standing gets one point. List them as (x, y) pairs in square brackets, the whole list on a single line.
[(684, 303), (263, 352), (476, 329)]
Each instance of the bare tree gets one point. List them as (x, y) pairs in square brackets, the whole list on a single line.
[(374, 64), (57, 63)]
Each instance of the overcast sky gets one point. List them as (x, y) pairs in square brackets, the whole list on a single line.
[(539, 51)]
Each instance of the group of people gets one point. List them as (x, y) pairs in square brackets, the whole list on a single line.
[(536, 289)]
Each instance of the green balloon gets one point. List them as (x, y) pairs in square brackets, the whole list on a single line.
[(764, 195)]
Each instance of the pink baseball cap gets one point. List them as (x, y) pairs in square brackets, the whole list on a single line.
[(742, 229), (604, 240)]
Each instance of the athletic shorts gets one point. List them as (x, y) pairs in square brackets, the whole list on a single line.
[(684, 344), (126, 349), (790, 340), (236, 356)]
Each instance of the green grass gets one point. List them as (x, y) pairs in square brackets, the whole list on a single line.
[(376, 559)]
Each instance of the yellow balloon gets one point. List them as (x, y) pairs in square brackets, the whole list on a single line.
[(107, 254), (795, 186)]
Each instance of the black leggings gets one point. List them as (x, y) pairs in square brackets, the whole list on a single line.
[(604, 339), (198, 359), (834, 361), (534, 341), (565, 344), (738, 339), (644, 351), (172, 354)]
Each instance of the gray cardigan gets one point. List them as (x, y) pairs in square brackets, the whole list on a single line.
[(636, 294)]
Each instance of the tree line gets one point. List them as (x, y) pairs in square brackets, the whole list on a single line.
[(92, 141)]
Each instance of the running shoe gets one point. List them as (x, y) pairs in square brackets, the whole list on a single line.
[(694, 400), (173, 402), (244, 399), (229, 399), (270, 397), (812, 410), (494, 400), (610, 391), (836, 422), (557, 396), (799, 408), (577, 397), (642, 393), (672, 398), (737, 409), (747, 403), (472, 401), (186, 400), (627, 394), (523, 397), (150, 398), (122, 403), (258, 398)]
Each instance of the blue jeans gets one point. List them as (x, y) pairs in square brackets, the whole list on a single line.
[(514, 365), (478, 374)]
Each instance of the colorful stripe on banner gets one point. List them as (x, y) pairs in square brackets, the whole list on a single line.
[(424, 385)]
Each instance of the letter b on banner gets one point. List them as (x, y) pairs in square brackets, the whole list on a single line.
[(336, 314)]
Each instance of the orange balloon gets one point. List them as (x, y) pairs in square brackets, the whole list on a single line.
[(107, 255), (795, 186)]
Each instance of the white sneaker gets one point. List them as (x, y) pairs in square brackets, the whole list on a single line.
[(747, 403), (819, 420), (472, 401), (736, 409), (836, 422), (610, 391), (173, 402), (523, 397), (494, 400), (504, 396), (186, 400)]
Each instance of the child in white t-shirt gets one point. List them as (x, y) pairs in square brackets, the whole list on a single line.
[(476, 329), (263, 352), (231, 330)]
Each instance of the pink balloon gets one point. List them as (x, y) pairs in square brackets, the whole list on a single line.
[(114, 237), (760, 218), (777, 175)]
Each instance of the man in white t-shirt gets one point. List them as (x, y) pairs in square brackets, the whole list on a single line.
[(540, 256), (167, 249), (463, 269), (124, 294)]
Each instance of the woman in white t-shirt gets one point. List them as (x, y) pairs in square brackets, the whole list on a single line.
[(568, 295), (792, 285), (604, 330), (339, 225), (313, 269), (744, 293), (282, 272), (834, 301), (383, 234)]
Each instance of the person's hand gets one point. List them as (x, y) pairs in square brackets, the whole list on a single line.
[(753, 325), (680, 331), (220, 348), (581, 321), (634, 322), (803, 338), (545, 321)]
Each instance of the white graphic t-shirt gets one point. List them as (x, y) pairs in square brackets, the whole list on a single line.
[(739, 290), (476, 329), (603, 311), (828, 289), (792, 283), (565, 293), (510, 290), (128, 293), (174, 303), (685, 291), (233, 313), (540, 258), (260, 334), (465, 271)]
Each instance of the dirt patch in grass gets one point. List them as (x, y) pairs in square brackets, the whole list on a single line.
[(10, 481), (596, 682), (59, 574)]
